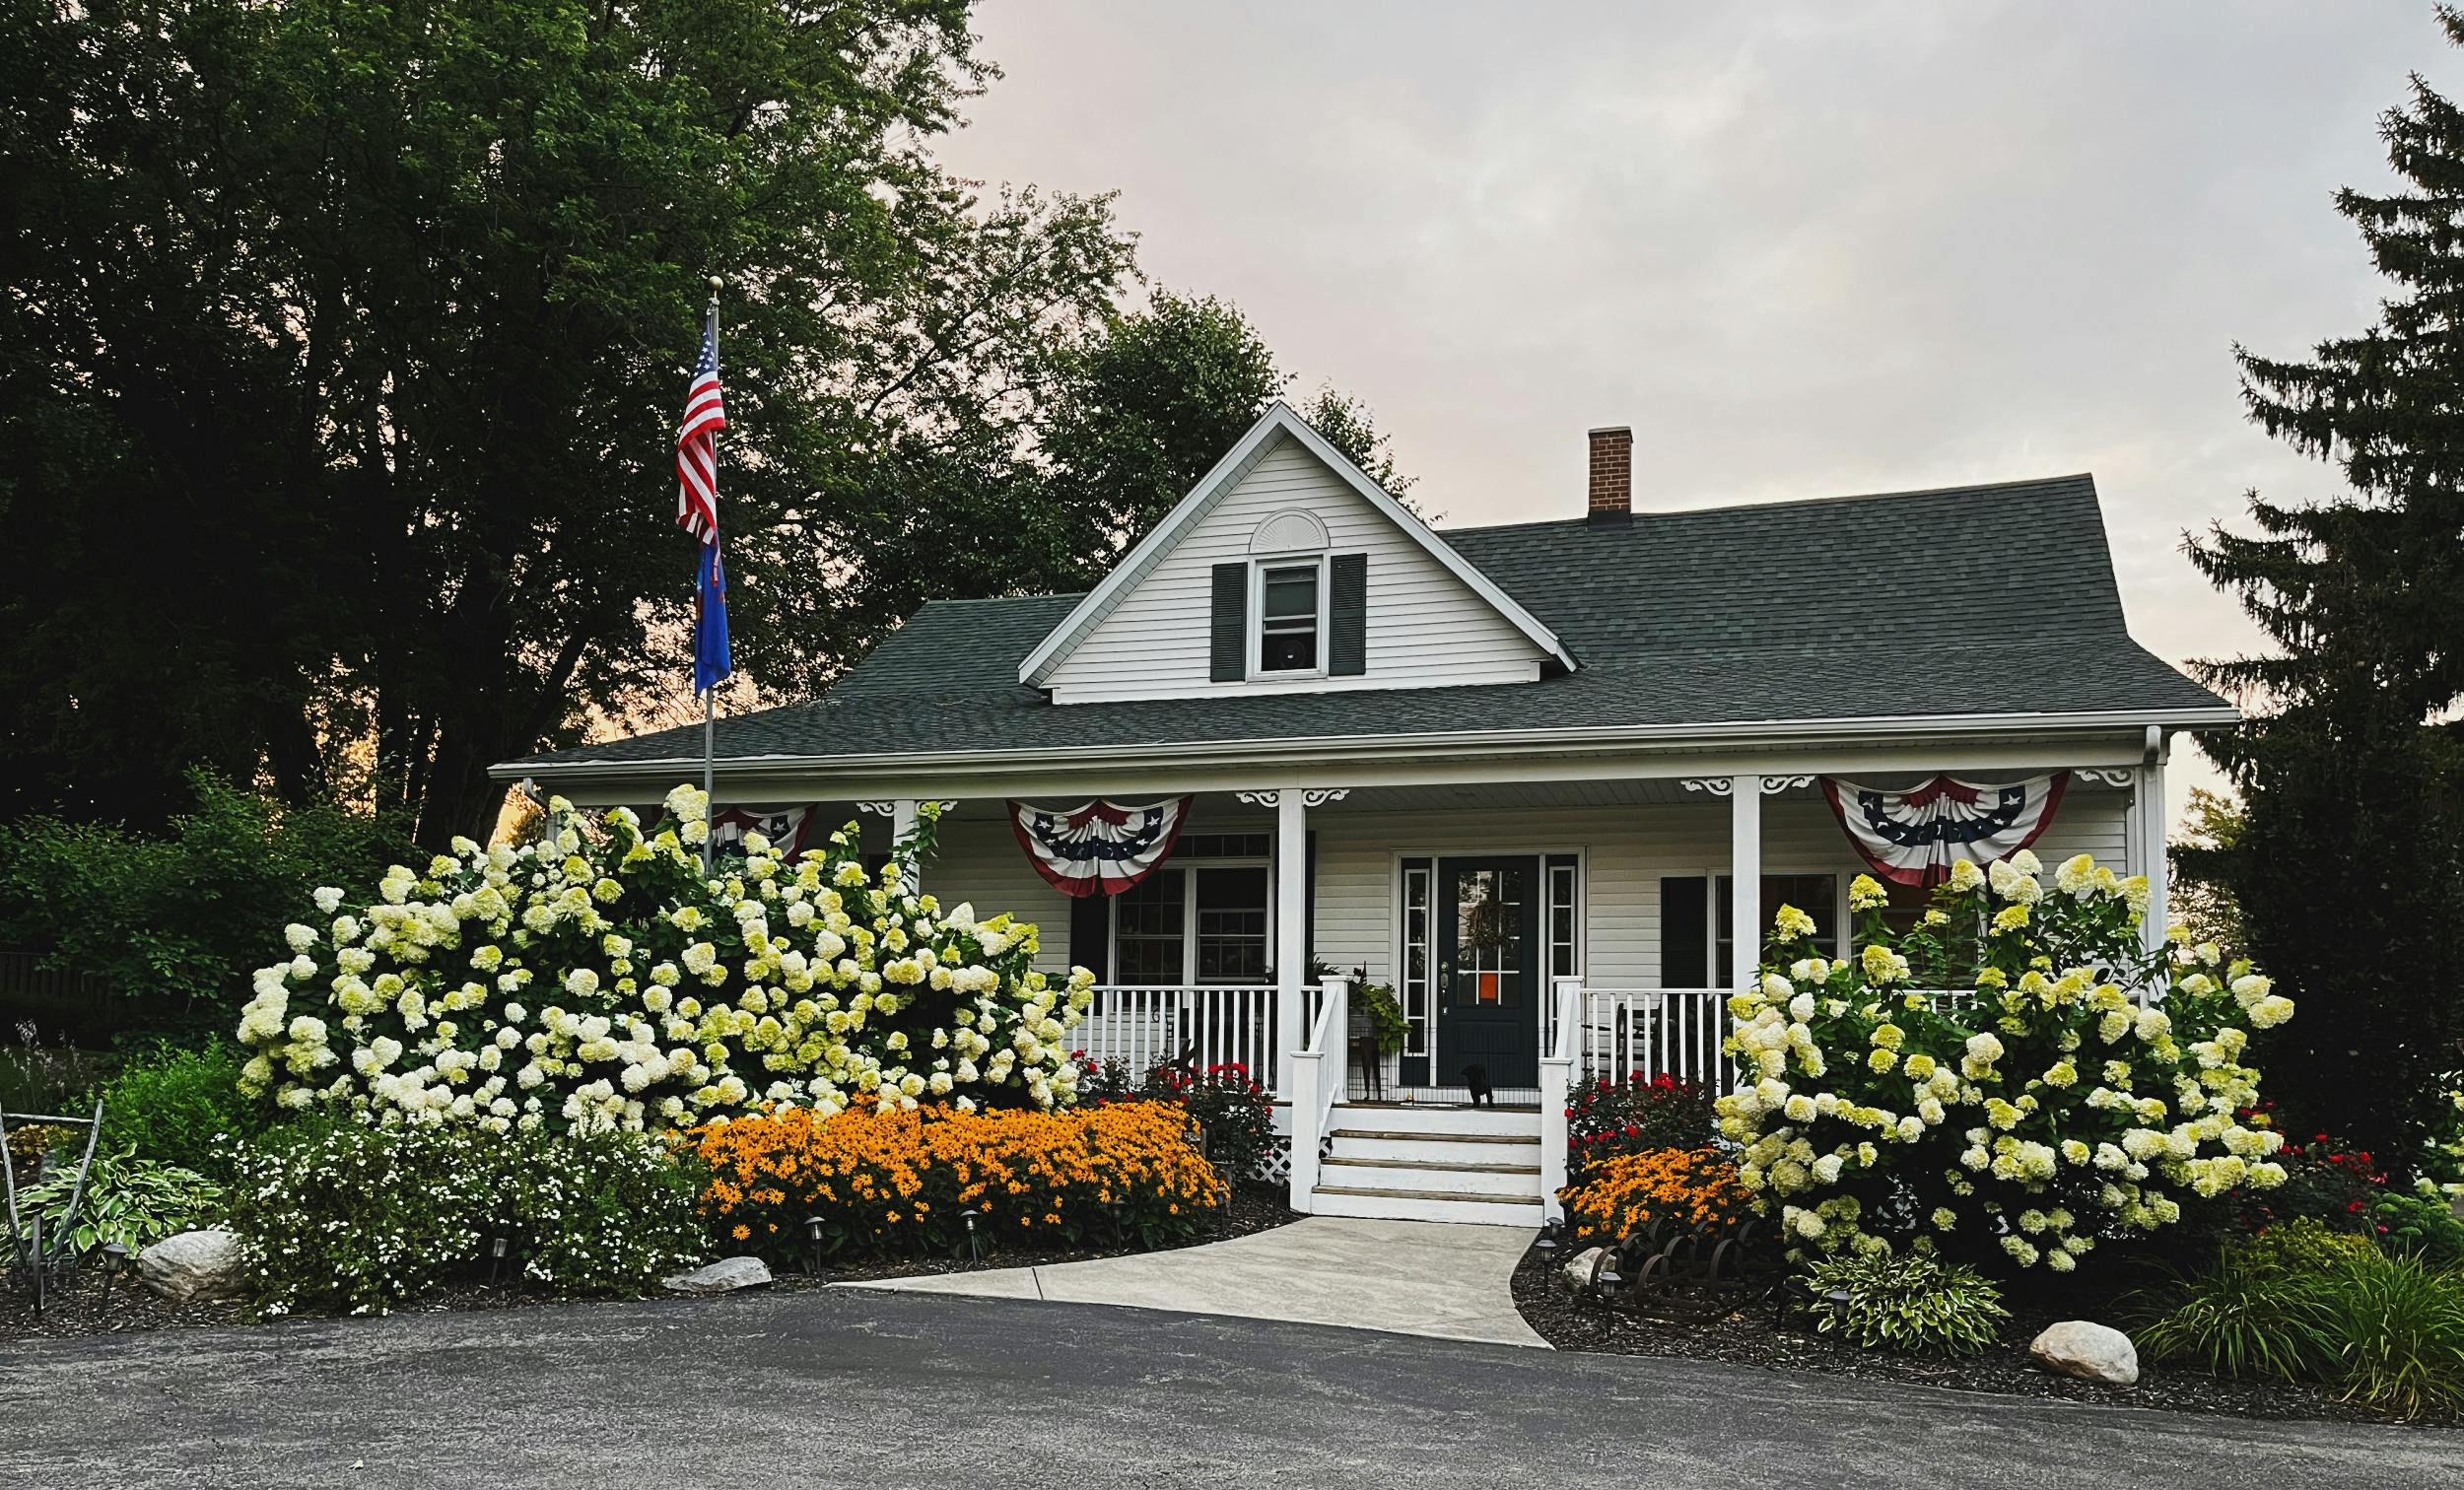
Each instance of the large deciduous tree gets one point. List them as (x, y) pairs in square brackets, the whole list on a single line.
[(2348, 871), (345, 344)]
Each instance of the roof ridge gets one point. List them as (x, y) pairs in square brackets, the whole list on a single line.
[(1785, 502)]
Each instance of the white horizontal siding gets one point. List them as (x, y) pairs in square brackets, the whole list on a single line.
[(1425, 627), (979, 861), (1628, 851)]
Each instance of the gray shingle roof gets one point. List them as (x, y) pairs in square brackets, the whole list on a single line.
[(1963, 601)]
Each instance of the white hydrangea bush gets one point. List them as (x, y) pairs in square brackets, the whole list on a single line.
[(2012, 1080), (597, 979)]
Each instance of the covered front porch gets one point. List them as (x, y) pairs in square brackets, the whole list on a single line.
[(1531, 932)]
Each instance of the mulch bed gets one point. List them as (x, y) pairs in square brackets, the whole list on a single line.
[(1763, 1334), (128, 1305)]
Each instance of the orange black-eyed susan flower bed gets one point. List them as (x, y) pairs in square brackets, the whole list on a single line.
[(863, 1187)]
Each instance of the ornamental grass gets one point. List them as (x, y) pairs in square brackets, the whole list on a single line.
[(885, 1182), (1695, 1188)]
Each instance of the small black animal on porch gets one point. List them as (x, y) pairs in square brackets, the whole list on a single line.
[(1477, 1078)]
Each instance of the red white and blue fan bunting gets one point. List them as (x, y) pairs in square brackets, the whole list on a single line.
[(1915, 836), (786, 827), (1102, 847)]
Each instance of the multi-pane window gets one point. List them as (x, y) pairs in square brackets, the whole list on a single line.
[(1287, 618), (1419, 958), (1232, 925), (1206, 924), (1149, 929)]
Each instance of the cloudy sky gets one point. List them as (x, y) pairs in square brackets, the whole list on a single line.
[(1803, 250)]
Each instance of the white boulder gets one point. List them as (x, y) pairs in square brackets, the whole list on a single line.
[(1578, 1269), (196, 1265), (725, 1275), (2090, 1352)]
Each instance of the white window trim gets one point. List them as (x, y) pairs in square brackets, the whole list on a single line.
[(1189, 920), (1256, 628)]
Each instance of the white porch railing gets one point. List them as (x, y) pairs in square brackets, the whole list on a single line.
[(1674, 1032), (1213, 1024), (1316, 1086)]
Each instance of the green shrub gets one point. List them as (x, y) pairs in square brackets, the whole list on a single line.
[(176, 922), (358, 1219), (2034, 1110), (1909, 1302), (2423, 1226), (2400, 1325), (2303, 1245), (1636, 1115), (182, 1107), (130, 1200), (2250, 1315), (2318, 1305)]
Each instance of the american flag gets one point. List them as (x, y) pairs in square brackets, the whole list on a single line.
[(696, 442)]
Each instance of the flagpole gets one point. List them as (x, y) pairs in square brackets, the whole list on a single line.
[(710, 699)]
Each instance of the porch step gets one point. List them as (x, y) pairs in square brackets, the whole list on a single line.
[(1479, 1150), (1436, 1118), (1427, 1205), (1515, 1181)]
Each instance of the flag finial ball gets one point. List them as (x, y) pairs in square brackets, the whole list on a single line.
[(715, 283)]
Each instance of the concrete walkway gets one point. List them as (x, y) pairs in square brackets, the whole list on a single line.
[(1404, 1277)]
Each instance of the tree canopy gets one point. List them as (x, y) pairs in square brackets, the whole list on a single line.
[(345, 346), (2347, 867)]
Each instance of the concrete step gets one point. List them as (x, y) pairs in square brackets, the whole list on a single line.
[(1436, 1118), (1425, 1205), (1482, 1149), (1510, 1181)]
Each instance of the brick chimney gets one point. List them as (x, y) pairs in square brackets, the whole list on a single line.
[(1612, 474)]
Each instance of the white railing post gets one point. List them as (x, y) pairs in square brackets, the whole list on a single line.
[(1556, 1082), (1306, 1067), (1335, 1000)]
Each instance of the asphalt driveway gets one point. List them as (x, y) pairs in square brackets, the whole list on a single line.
[(876, 1388)]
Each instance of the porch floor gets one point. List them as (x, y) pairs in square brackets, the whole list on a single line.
[(1403, 1278)]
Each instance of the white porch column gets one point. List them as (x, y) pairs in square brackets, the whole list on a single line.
[(1744, 857), (1291, 921), (2149, 806), (903, 819)]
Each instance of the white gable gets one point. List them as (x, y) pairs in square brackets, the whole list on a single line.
[(1427, 623)]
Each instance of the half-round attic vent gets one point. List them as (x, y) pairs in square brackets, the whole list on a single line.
[(1291, 531)]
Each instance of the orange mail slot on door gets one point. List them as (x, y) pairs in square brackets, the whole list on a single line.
[(1488, 988)]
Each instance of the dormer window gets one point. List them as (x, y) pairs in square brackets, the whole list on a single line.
[(1291, 612)]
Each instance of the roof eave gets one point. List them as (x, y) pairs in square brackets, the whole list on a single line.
[(1465, 744)]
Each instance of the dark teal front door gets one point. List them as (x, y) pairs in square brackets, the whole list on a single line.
[(1488, 944)]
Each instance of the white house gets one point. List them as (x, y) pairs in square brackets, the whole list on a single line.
[(1512, 772)]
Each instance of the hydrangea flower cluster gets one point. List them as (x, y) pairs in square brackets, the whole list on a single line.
[(597, 979), (2013, 1078)]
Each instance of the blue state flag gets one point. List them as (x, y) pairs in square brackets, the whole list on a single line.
[(711, 661)]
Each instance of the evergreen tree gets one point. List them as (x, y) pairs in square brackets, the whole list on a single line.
[(2349, 870)]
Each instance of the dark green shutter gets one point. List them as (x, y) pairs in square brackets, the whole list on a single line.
[(1685, 949), (1225, 664), (1090, 934), (1348, 607)]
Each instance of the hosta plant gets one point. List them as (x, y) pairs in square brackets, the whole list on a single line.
[(2010, 1081), (1910, 1303), (599, 978), (126, 1199)]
